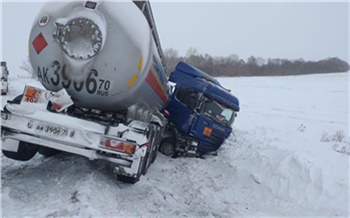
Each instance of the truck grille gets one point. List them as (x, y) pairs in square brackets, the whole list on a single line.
[(217, 135), (215, 138)]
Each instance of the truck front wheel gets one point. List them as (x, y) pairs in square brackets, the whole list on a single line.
[(25, 152), (167, 147)]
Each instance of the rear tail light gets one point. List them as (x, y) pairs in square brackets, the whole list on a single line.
[(117, 145)]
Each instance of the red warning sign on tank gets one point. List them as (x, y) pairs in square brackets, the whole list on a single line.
[(39, 43)]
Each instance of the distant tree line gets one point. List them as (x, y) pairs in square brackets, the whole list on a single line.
[(253, 66)]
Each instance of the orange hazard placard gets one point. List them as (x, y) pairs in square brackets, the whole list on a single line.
[(32, 95), (31, 100), (32, 92)]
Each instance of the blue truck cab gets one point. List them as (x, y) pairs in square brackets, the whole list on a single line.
[(200, 113)]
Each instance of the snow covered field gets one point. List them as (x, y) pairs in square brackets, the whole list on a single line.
[(289, 156)]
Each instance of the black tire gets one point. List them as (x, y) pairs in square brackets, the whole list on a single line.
[(127, 179), (26, 151), (167, 147), (48, 152)]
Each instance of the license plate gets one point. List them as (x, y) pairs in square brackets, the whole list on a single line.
[(51, 130)]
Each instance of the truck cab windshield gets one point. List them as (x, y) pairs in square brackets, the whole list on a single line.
[(218, 112)]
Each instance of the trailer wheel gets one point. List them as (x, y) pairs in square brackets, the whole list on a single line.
[(127, 179), (48, 152), (25, 152), (167, 147)]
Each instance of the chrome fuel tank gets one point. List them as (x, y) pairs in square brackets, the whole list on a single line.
[(102, 53)]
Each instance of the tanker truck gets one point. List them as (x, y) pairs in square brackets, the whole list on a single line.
[(106, 95)]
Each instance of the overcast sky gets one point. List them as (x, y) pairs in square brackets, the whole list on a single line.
[(308, 30)]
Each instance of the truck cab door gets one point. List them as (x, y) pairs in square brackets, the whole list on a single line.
[(182, 108)]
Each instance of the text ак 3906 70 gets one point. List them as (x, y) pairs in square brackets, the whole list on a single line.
[(52, 130)]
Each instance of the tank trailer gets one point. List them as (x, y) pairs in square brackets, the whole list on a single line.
[(106, 94)]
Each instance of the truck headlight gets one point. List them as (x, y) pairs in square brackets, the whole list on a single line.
[(194, 143)]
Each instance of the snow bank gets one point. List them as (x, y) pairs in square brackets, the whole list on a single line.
[(289, 156)]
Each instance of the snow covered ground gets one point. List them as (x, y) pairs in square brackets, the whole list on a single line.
[(289, 156)]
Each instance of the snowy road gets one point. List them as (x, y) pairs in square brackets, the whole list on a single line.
[(289, 155)]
